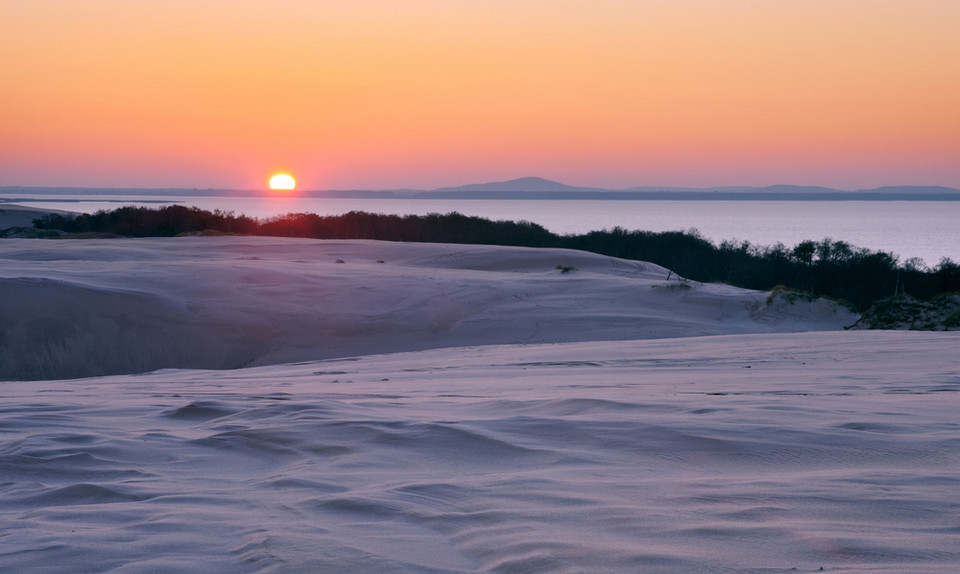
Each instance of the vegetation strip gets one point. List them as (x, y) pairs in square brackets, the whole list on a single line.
[(826, 268)]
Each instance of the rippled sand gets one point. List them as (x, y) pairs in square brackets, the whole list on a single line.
[(759, 452)]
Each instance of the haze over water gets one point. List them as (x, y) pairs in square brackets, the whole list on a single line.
[(923, 229)]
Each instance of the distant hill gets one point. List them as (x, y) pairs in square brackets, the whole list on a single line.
[(778, 189), (912, 190), (524, 184), (798, 189), (666, 189), (803, 189), (537, 188)]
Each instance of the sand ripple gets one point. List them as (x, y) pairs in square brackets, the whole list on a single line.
[(643, 456)]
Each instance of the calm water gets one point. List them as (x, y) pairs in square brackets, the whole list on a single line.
[(925, 229)]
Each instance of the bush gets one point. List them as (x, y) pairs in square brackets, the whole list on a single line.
[(789, 295)]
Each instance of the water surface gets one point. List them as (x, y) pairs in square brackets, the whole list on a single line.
[(924, 229)]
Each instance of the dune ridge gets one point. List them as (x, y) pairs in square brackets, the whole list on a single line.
[(100, 307), (454, 408)]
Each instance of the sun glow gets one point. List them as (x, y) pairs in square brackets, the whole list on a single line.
[(282, 181)]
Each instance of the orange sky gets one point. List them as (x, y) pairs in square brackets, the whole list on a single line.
[(428, 93)]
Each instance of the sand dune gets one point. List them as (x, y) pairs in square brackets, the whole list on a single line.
[(13, 215), (744, 453), (97, 307), (600, 420)]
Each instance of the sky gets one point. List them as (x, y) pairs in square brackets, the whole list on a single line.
[(380, 94)]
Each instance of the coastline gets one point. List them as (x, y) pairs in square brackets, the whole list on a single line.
[(529, 190)]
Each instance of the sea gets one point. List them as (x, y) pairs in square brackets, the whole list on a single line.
[(927, 230)]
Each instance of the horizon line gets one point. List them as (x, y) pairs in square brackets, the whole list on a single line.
[(734, 188)]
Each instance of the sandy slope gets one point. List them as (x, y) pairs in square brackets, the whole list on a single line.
[(744, 453), (17, 216), (75, 308), (602, 420), (12, 215)]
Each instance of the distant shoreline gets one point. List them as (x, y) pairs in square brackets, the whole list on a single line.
[(20, 194), (537, 188)]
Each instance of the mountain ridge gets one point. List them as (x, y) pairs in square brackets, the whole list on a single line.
[(537, 187), (531, 184)]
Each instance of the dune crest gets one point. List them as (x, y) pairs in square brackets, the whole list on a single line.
[(98, 307)]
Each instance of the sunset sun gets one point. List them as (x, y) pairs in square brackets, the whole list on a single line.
[(282, 181)]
